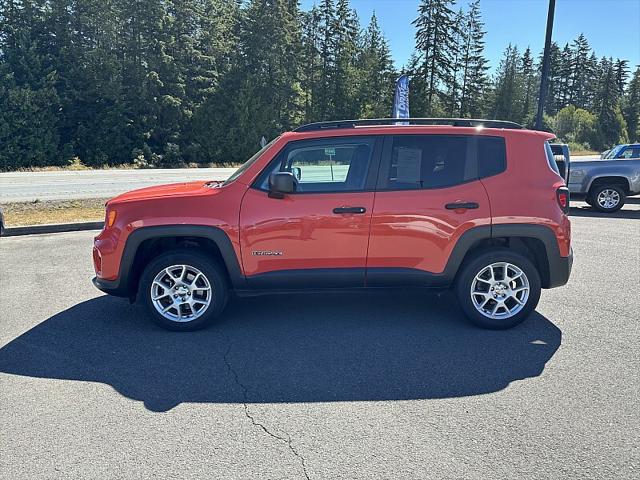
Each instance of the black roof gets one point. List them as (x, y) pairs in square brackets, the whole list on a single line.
[(454, 122)]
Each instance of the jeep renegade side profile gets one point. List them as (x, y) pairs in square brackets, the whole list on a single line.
[(477, 205)]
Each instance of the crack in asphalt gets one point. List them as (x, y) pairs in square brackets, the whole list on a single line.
[(245, 403)]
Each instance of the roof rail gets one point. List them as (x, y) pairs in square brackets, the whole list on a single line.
[(454, 122)]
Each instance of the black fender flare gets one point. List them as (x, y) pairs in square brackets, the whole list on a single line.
[(121, 285)]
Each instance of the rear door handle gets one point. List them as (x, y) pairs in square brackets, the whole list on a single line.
[(465, 205), (358, 210)]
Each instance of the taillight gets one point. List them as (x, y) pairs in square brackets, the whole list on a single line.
[(562, 195)]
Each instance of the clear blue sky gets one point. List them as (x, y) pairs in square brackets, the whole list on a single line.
[(611, 26)]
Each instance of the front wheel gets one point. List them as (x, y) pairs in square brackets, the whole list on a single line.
[(183, 290), (607, 198), (498, 289)]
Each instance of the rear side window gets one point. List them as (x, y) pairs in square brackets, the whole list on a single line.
[(428, 161), (440, 161)]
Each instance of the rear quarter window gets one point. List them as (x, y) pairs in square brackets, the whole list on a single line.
[(551, 159), (492, 156)]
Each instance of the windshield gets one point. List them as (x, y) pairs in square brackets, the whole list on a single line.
[(248, 163), (613, 152)]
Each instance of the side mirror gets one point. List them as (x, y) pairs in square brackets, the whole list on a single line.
[(297, 172), (281, 183)]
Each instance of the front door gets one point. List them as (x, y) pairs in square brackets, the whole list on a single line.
[(317, 236)]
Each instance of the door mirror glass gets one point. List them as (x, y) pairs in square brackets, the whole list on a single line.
[(281, 183)]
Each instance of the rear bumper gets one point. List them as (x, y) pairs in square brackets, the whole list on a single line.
[(112, 287), (560, 270)]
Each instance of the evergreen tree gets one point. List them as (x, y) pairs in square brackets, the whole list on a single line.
[(580, 72), (474, 64), (376, 72), (434, 28), (612, 128), (507, 96), (631, 107), (529, 83), (346, 76), (28, 100)]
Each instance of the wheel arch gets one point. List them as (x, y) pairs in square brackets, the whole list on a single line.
[(616, 180), (536, 242), (147, 243)]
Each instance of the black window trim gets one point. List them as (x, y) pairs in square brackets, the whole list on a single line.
[(372, 172), (385, 162)]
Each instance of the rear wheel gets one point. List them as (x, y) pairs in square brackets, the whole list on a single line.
[(607, 198), (183, 290), (498, 289)]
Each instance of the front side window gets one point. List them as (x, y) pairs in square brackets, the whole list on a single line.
[(326, 165)]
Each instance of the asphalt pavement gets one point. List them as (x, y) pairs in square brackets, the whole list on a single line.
[(384, 386)]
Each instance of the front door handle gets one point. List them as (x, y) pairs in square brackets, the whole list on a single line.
[(464, 205), (358, 210)]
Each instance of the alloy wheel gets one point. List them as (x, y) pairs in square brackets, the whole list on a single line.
[(500, 290), (608, 198), (181, 293)]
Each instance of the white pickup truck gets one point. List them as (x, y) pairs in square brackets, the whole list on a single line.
[(605, 183)]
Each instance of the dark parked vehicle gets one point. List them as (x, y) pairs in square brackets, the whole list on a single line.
[(563, 159)]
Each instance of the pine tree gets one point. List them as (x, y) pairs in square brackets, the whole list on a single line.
[(28, 99), (474, 64), (325, 102), (631, 107), (312, 65), (529, 83), (621, 68), (434, 26), (579, 69), (346, 78), (612, 128), (377, 73), (507, 96), (451, 97)]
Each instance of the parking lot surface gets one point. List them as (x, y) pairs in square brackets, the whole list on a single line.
[(321, 386)]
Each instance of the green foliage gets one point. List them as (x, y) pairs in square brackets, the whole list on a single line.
[(169, 82)]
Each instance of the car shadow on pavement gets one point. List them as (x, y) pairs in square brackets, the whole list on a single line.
[(286, 348)]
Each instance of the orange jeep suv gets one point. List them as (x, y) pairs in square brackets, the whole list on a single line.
[(477, 205)]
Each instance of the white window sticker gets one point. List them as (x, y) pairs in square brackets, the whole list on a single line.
[(409, 165)]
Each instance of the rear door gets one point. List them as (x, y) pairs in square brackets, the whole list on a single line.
[(428, 195)]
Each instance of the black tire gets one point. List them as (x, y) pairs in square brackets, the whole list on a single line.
[(207, 266), (475, 265), (596, 191)]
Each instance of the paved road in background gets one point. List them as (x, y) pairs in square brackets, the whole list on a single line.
[(320, 387), (65, 185), (69, 185)]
